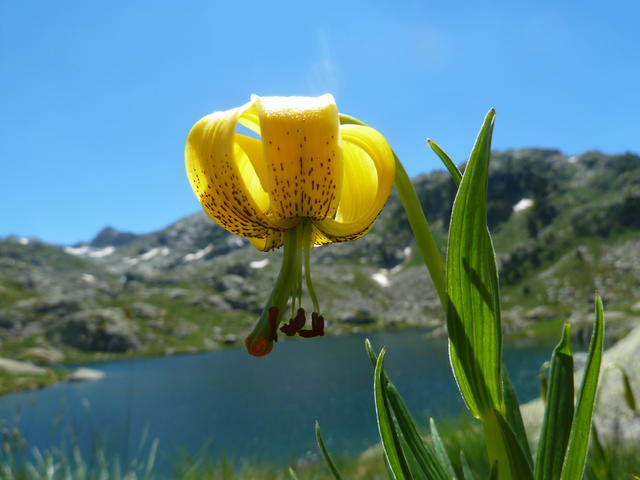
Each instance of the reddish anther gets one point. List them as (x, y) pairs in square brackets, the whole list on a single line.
[(317, 323), (307, 333), (295, 324), (317, 327)]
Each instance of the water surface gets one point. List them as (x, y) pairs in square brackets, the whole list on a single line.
[(262, 409)]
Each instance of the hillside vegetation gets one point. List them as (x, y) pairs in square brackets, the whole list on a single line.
[(563, 227)]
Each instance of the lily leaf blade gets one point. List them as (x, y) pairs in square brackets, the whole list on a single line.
[(426, 457), (558, 412), (473, 316), (514, 416), (390, 440), (440, 449), (467, 474), (519, 467), (575, 459)]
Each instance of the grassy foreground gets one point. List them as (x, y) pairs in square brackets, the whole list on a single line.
[(19, 462)]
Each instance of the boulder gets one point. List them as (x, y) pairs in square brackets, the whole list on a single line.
[(99, 330), (85, 374), (541, 312), (613, 417), (15, 367), (217, 302), (44, 355), (55, 305), (359, 317), (145, 310), (182, 329)]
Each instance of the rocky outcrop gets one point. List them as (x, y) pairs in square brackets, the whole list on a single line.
[(42, 355), (85, 374), (15, 367), (99, 330), (109, 236), (614, 419)]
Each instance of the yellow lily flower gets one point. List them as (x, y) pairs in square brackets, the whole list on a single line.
[(307, 181)]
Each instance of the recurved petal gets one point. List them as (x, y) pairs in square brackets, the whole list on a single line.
[(223, 178), (369, 169), (301, 144), (252, 148), (249, 117), (274, 239)]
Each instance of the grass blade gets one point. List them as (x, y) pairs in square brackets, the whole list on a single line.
[(390, 440), (576, 457), (441, 452), (325, 453), (292, 474), (558, 412), (629, 397), (473, 317), (466, 469)]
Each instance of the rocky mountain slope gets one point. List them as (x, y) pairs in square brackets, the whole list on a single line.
[(563, 228)]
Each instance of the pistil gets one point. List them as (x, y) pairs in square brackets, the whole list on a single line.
[(297, 247)]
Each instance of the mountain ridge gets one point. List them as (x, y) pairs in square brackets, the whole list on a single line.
[(563, 227)]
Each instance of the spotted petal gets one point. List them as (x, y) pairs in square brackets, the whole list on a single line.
[(369, 169), (302, 155), (223, 177)]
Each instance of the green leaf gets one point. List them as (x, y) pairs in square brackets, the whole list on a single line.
[(451, 166), (440, 450), (426, 458), (493, 474), (390, 440), (372, 355), (514, 417), (466, 469), (575, 459), (473, 314), (599, 463), (325, 454), (421, 231), (558, 412), (519, 467), (543, 376)]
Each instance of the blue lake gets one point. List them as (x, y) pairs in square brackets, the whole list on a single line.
[(262, 409)]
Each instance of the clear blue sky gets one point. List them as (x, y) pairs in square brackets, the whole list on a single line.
[(96, 98)]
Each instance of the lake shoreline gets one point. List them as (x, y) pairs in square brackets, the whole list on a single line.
[(244, 401), (59, 372)]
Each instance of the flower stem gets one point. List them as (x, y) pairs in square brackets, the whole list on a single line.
[(307, 244), (496, 449), (417, 221), (421, 231), (260, 342)]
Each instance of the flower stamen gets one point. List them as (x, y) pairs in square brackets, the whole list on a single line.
[(295, 324), (317, 327)]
